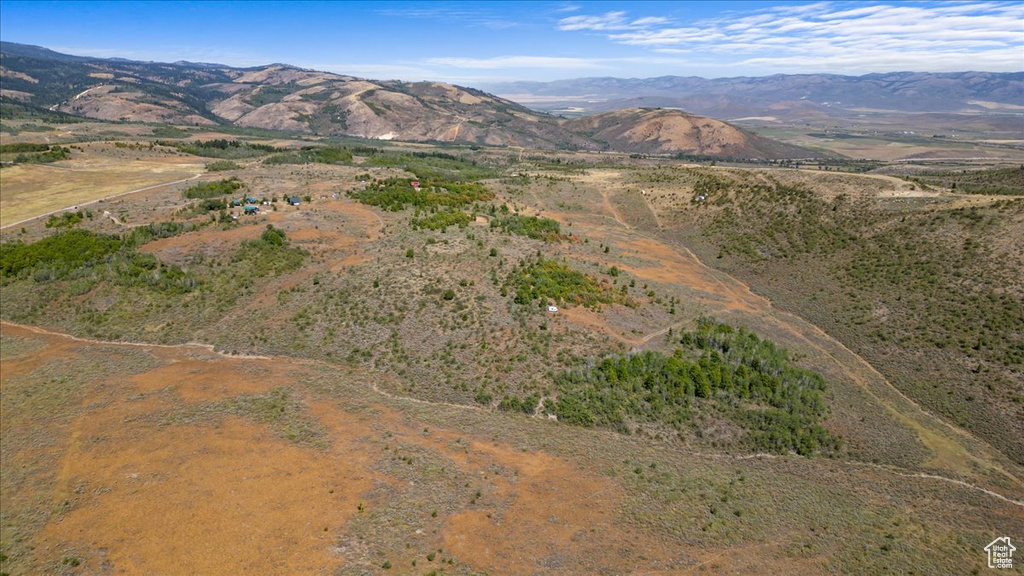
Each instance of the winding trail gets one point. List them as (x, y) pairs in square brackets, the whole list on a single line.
[(377, 390), (196, 345)]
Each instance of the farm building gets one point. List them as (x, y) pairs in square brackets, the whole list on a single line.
[(251, 209), (294, 200)]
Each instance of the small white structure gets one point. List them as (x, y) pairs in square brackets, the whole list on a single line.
[(552, 309)]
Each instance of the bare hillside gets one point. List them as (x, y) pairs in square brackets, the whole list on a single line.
[(656, 130)]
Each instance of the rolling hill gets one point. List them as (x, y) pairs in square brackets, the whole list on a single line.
[(656, 130), (283, 97)]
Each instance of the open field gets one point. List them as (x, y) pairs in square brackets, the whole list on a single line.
[(36, 189), (391, 393)]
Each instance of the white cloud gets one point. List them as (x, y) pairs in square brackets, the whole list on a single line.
[(608, 21), (834, 36), (472, 16)]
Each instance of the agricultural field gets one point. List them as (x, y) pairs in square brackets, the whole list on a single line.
[(902, 138), (421, 360)]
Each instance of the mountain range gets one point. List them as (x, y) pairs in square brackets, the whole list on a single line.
[(288, 98), (666, 115), (790, 97)]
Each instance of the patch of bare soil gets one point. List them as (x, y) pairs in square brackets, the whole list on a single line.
[(591, 320), (358, 217), (682, 268), (153, 481), (210, 241), (552, 508), (190, 500)]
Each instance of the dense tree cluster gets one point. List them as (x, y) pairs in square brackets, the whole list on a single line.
[(26, 153), (750, 381), (552, 280), (207, 190), (312, 155), (271, 254), (530, 226), (434, 166), (395, 194), (62, 252), (220, 148), (91, 257)]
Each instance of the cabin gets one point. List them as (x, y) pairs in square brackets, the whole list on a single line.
[(250, 209), (294, 200)]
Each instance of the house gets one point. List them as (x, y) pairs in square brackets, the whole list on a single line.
[(250, 209), (294, 200), (415, 185), (552, 309), (250, 200)]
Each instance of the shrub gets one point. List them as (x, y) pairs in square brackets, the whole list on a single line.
[(65, 220), (442, 220), (222, 165)]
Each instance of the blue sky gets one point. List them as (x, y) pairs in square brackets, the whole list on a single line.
[(475, 43)]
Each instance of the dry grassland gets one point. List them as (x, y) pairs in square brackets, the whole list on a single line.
[(31, 190)]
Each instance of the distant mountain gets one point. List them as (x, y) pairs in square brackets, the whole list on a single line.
[(781, 95), (29, 51), (283, 97)]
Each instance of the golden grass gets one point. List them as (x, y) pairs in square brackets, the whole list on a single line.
[(27, 191)]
